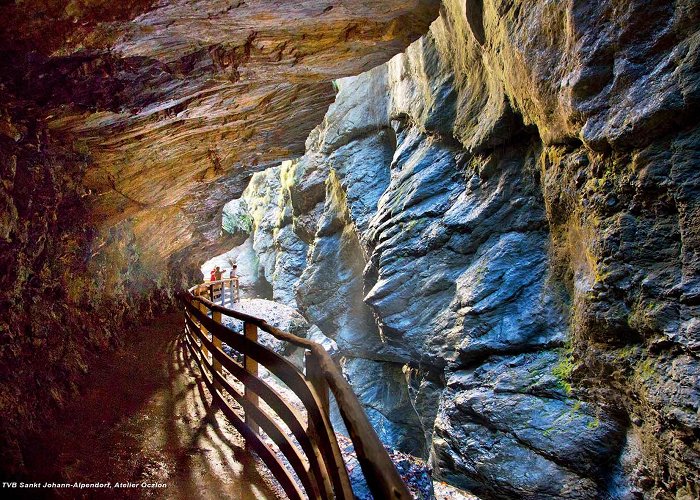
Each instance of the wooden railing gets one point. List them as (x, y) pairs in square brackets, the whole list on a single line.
[(216, 290), (314, 460)]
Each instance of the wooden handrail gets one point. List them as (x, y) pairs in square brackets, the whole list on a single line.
[(216, 282), (216, 289), (321, 371)]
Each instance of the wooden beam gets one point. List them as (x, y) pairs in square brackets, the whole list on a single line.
[(319, 423), (314, 374), (284, 410), (250, 332), (216, 341), (279, 471)]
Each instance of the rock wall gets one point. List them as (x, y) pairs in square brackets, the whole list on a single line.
[(68, 291), (501, 226), (180, 101)]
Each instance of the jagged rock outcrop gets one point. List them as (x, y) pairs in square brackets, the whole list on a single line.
[(514, 200)]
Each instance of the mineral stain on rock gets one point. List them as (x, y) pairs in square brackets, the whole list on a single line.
[(494, 227)]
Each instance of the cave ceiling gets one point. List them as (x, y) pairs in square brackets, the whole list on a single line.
[(177, 103)]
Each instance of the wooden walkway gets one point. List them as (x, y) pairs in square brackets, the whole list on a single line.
[(145, 418), (299, 448), (182, 412)]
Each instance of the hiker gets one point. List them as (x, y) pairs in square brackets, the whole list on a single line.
[(232, 272), (212, 275), (217, 273)]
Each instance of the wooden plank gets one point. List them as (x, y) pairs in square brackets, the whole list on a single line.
[(219, 383), (203, 308), (251, 366), (318, 383), (265, 453), (216, 341), (381, 474), (287, 413), (255, 414)]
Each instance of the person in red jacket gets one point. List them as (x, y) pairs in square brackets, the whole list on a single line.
[(212, 275)]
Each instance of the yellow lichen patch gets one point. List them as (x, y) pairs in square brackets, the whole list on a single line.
[(646, 369), (563, 370), (581, 258)]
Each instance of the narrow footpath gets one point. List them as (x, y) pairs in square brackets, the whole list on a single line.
[(144, 419)]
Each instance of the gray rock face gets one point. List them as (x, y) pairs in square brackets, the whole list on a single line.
[(279, 316), (501, 234), (272, 254), (443, 267), (519, 434), (382, 386)]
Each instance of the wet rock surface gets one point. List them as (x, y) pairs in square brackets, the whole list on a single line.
[(518, 431)]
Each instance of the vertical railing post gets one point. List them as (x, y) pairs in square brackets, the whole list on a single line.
[(216, 316), (315, 378), (251, 333), (230, 289), (211, 292), (205, 310), (223, 294), (314, 375)]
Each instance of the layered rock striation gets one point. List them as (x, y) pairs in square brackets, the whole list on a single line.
[(500, 225), (179, 102)]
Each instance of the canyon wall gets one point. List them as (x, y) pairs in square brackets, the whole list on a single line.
[(69, 290), (178, 102), (497, 233)]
